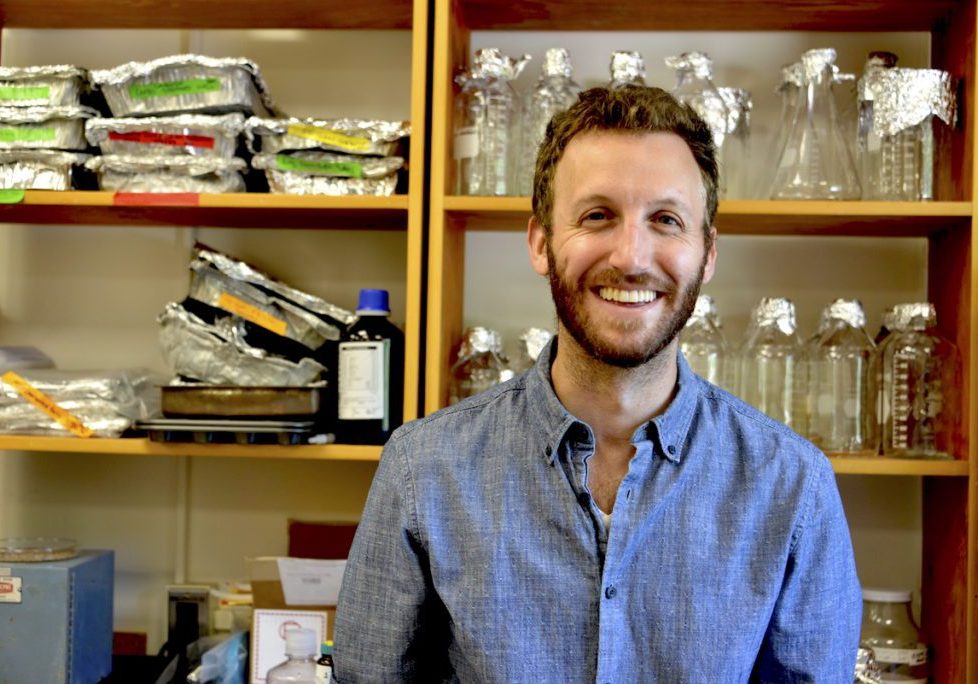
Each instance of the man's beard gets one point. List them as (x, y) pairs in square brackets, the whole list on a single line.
[(568, 300)]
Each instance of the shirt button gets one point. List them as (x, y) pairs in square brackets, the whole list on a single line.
[(610, 591), (671, 449)]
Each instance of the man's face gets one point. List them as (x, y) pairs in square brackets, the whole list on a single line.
[(627, 255)]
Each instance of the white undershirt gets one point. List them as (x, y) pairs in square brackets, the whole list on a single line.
[(607, 520)]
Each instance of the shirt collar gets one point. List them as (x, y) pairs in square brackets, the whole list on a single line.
[(668, 430)]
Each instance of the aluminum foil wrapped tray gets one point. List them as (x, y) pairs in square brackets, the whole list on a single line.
[(60, 128), (196, 135), (184, 84), (106, 402), (311, 172), (38, 169), (167, 173), (54, 85), (346, 136)]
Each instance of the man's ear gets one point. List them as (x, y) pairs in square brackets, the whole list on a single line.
[(711, 257), (536, 242)]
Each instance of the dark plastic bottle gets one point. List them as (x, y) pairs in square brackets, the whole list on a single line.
[(371, 374)]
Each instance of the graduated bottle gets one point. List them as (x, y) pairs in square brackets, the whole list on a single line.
[(867, 140), (300, 667), (770, 368), (481, 364), (627, 68), (841, 388), (919, 372), (555, 92), (703, 344), (888, 628)]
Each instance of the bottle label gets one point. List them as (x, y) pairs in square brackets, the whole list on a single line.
[(192, 86), (10, 590), (363, 380), (324, 674), (901, 656), (466, 143)]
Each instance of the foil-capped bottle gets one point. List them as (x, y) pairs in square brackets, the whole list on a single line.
[(867, 141), (918, 399), (531, 343), (703, 344), (487, 112), (554, 92), (735, 166), (815, 161), (480, 365), (841, 382), (627, 68), (695, 87), (770, 368)]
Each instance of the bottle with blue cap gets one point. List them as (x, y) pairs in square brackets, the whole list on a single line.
[(371, 373)]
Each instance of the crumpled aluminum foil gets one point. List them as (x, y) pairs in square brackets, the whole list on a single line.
[(492, 64), (257, 288), (914, 316), (704, 309), (776, 311), (106, 402), (288, 183), (197, 135), (849, 311), (46, 86), (709, 104), (627, 68), (814, 62), (38, 169), (347, 136), (533, 341), (185, 83), (904, 98), (739, 105), (478, 340), (877, 62), (315, 163), (556, 63), (867, 670), (167, 173), (60, 128), (697, 62), (218, 354)]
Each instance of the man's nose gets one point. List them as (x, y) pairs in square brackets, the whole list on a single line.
[(632, 249)]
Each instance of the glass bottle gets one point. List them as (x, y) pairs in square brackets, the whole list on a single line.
[(532, 342), (867, 142), (918, 397), (627, 68), (735, 154), (324, 666), (371, 373), (300, 666), (841, 385), (486, 123), (770, 374), (815, 161), (695, 87), (555, 92), (481, 364), (703, 344), (888, 628)]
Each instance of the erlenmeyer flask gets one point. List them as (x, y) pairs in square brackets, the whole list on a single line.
[(815, 162)]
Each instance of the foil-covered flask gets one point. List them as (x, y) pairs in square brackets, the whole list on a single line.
[(867, 141), (480, 365), (486, 125), (841, 388), (532, 342), (703, 344), (770, 369), (627, 68), (554, 92), (695, 87), (918, 398), (814, 161), (735, 166)]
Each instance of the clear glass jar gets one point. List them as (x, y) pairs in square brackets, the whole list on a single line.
[(531, 343), (735, 166), (481, 364), (867, 141), (888, 628), (554, 92), (841, 382), (919, 375), (703, 344), (487, 115), (770, 370), (627, 68)]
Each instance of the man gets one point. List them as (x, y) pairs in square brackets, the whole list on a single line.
[(607, 516)]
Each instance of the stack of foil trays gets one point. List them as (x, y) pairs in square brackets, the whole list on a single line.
[(239, 326), (42, 124), (328, 156)]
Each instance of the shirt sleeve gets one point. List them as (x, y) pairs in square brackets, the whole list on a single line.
[(813, 635), (388, 615)]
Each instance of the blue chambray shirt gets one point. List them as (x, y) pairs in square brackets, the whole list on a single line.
[(481, 556)]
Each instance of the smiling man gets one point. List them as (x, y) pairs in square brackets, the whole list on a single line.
[(607, 516)]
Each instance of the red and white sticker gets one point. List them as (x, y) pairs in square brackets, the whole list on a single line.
[(10, 590)]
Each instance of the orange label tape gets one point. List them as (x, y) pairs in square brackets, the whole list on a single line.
[(252, 313), (43, 402)]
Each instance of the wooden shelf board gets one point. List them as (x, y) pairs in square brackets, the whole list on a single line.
[(707, 15), (244, 210), (146, 447), (759, 217), (870, 464), (205, 14)]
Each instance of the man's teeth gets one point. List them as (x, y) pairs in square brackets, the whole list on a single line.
[(612, 294)]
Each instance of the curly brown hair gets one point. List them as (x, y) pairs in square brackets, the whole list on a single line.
[(630, 109)]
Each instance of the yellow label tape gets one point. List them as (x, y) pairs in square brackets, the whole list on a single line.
[(46, 404), (252, 313), (332, 138)]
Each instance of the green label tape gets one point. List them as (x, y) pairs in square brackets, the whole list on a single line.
[(9, 135), (11, 196), (342, 169), (144, 91), (11, 92)]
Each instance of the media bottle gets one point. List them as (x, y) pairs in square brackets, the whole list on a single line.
[(300, 668)]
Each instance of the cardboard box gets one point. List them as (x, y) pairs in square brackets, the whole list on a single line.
[(302, 583)]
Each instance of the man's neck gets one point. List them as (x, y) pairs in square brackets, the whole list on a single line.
[(613, 401)]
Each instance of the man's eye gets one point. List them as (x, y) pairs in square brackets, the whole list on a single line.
[(668, 219), (596, 215)]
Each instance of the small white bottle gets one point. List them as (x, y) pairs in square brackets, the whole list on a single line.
[(300, 668)]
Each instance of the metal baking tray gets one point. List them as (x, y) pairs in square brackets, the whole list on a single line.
[(227, 431), (226, 401)]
